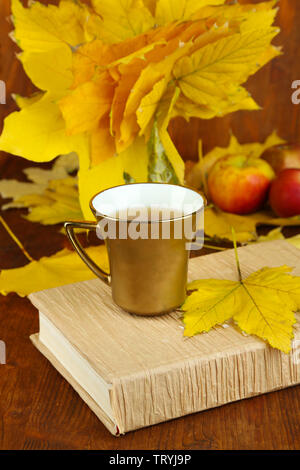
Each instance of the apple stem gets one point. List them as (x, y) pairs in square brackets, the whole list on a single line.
[(238, 267)]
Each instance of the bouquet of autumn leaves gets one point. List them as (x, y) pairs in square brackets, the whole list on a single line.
[(112, 75)]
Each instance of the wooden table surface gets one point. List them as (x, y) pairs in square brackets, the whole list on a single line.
[(38, 409)]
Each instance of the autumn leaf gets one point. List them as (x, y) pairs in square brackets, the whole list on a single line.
[(41, 32), (209, 305), (263, 304), (274, 234), (64, 267), (38, 179), (43, 27), (237, 98), (149, 105), (198, 73), (93, 99), (60, 203), (218, 224), (62, 167), (51, 196), (39, 67), (40, 131), (271, 296), (110, 172), (171, 10), (23, 102), (122, 19), (102, 143), (13, 189)]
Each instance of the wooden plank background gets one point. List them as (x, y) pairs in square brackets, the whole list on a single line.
[(38, 409)]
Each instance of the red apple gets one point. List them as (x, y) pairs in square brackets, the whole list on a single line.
[(285, 193), (281, 157), (239, 184)]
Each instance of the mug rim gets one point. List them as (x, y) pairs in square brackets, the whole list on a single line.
[(116, 219)]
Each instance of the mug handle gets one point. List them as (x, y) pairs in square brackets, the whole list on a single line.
[(69, 227)]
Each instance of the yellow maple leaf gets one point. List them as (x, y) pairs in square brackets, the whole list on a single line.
[(171, 10), (122, 19), (23, 102), (241, 53), (110, 172), (59, 202), (16, 189), (274, 234), (62, 167), (149, 105), (40, 131), (271, 296), (51, 196), (218, 224), (102, 143), (237, 98), (42, 34), (49, 70), (263, 304), (128, 76), (88, 104), (96, 55), (43, 27), (251, 15), (64, 267)]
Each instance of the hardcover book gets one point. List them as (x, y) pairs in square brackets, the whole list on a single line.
[(135, 371)]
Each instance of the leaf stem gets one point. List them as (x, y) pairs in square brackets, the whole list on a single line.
[(203, 177), (15, 239), (236, 255), (213, 247)]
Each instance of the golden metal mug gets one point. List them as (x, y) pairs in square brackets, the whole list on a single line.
[(149, 258)]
